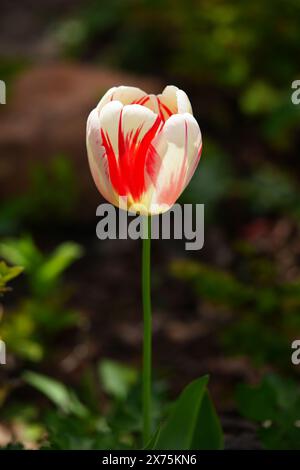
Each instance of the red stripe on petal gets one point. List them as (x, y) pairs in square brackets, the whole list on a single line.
[(127, 170), (175, 186), (165, 108), (141, 101)]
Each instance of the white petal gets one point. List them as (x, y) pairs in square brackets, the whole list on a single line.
[(97, 158), (177, 149), (137, 118), (106, 99), (124, 94), (175, 100), (109, 120), (128, 94), (183, 103)]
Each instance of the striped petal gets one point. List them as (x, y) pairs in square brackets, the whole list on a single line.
[(124, 94), (127, 133), (177, 149), (173, 100), (96, 156)]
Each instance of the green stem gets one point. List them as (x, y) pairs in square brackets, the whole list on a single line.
[(146, 288)]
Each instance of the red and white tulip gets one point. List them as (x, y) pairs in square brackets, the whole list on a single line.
[(143, 149)]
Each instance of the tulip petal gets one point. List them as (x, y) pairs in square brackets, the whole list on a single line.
[(173, 101), (177, 150), (124, 94), (97, 159), (105, 99), (127, 133)]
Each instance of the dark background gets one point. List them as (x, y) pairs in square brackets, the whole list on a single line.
[(231, 309)]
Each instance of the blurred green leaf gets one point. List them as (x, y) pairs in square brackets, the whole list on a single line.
[(44, 271), (21, 251), (193, 423), (260, 97), (58, 261), (215, 166), (52, 194), (213, 284), (270, 190), (275, 405), (13, 446), (7, 273), (116, 378), (59, 394)]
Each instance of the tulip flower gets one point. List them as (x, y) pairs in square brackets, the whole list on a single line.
[(143, 150)]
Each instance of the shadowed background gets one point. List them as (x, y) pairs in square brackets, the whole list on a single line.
[(231, 309)]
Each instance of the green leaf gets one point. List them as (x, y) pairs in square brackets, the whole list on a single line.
[(256, 403), (58, 393), (21, 252), (275, 405), (116, 378), (193, 423), (64, 255), (7, 273)]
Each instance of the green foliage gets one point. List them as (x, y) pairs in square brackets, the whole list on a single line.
[(223, 42), (260, 309), (44, 271), (214, 45), (10, 68), (116, 378), (275, 405), (38, 317), (215, 166), (15, 446), (7, 273), (65, 399), (212, 284), (270, 190), (192, 423), (52, 194)]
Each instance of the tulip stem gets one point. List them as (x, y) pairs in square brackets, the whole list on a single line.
[(146, 288)]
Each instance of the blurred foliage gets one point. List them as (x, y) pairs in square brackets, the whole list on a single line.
[(7, 273), (260, 309), (116, 379), (270, 190), (228, 45), (215, 41), (275, 405), (10, 68), (192, 422), (59, 394), (215, 166), (116, 423), (237, 60), (44, 271), (42, 312), (52, 194)]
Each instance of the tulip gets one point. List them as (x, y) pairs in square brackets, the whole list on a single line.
[(143, 149)]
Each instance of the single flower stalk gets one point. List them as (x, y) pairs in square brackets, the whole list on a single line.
[(143, 150)]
